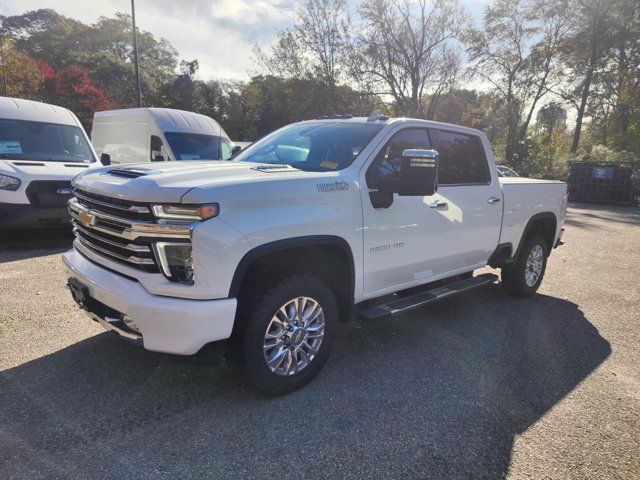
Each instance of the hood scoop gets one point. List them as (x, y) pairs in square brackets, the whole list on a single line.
[(130, 172), (28, 164)]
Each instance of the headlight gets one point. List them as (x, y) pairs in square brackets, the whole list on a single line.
[(9, 183), (194, 213), (175, 261)]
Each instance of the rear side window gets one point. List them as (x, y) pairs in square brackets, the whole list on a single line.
[(462, 159), (387, 162)]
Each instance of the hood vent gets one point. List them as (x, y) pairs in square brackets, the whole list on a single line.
[(28, 164), (130, 172)]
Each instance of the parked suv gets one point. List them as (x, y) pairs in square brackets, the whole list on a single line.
[(273, 249)]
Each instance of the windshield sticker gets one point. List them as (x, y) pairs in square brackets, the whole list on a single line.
[(189, 156), (338, 186), (331, 165), (10, 146)]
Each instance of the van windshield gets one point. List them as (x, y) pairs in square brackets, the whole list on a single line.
[(314, 147), (194, 146), (26, 140)]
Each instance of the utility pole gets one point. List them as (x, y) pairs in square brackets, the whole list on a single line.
[(4, 65), (135, 53)]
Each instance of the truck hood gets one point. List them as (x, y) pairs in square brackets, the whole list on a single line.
[(169, 181)]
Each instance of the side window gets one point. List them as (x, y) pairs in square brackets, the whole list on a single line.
[(387, 162), (225, 149), (462, 159), (157, 149)]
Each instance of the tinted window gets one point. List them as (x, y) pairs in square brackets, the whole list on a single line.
[(318, 147), (21, 139), (388, 159), (192, 146), (461, 158)]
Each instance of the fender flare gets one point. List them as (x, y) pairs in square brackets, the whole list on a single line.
[(285, 244), (527, 229)]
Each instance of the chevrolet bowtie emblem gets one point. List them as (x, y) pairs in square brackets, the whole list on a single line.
[(86, 218)]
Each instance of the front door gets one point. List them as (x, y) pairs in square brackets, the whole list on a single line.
[(422, 238)]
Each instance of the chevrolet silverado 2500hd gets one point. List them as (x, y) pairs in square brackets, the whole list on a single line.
[(272, 249)]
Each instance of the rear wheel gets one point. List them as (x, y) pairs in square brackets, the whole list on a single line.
[(523, 277), (285, 334)]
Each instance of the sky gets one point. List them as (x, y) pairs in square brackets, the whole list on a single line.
[(221, 34)]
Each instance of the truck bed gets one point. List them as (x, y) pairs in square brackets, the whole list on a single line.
[(525, 197)]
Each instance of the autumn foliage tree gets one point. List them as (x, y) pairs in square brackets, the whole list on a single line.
[(74, 89), (24, 78)]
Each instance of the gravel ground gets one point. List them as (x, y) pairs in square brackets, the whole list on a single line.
[(481, 386)]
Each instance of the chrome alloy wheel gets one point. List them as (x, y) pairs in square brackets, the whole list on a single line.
[(534, 265), (294, 336)]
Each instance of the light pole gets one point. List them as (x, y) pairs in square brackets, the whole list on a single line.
[(135, 53), (4, 65)]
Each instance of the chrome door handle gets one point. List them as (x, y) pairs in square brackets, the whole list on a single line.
[(437, 203), (493, 200)]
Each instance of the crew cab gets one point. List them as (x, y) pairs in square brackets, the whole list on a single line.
[(42, 147), (315, 221)]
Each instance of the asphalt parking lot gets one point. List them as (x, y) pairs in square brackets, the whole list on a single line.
[(481, 386)]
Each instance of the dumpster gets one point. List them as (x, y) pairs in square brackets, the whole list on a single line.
[(601, 183)]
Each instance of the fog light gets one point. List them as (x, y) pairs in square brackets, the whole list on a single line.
[(176, 261)]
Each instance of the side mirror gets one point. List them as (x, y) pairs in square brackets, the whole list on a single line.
[(105, 159), (158, 158), (417, 174), (235, 149)]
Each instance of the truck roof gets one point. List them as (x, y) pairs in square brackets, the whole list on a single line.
[(20, 109), (167, 119), (384, 120)]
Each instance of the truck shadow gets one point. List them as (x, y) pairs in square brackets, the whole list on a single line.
[(20, 244), (436, 394)]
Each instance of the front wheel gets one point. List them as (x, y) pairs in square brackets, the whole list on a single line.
[(523, 277), (285, 334)]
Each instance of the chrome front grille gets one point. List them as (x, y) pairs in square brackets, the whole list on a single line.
[(120, 230)]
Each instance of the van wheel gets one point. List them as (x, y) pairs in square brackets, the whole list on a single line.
[(523, 277), (285, 334)]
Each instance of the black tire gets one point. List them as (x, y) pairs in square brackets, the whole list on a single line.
[(254, 317), (514, 275)]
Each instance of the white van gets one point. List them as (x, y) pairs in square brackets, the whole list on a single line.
[(42, 147), (157, 134)]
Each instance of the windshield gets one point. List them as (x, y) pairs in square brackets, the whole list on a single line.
[(315, 147), (26, 140), (194, 146)]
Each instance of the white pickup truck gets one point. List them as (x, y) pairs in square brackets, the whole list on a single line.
[(272, 249)]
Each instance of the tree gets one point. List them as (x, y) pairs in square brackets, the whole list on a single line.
[(103, 49), (24, 78), (550, 117), (584, 56), (408, 50), (75, 91), (517, 51), (315, 47)]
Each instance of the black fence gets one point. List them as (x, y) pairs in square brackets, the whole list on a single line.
[(602, 183)]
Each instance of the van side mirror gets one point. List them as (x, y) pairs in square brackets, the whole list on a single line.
[(235, 149), (105, 159), (416, 175), (158, 158)]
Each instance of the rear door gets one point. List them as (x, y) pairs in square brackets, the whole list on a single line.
[(421, 238)]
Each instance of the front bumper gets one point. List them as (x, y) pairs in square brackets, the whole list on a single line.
[(13, 215), (161, 324)]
